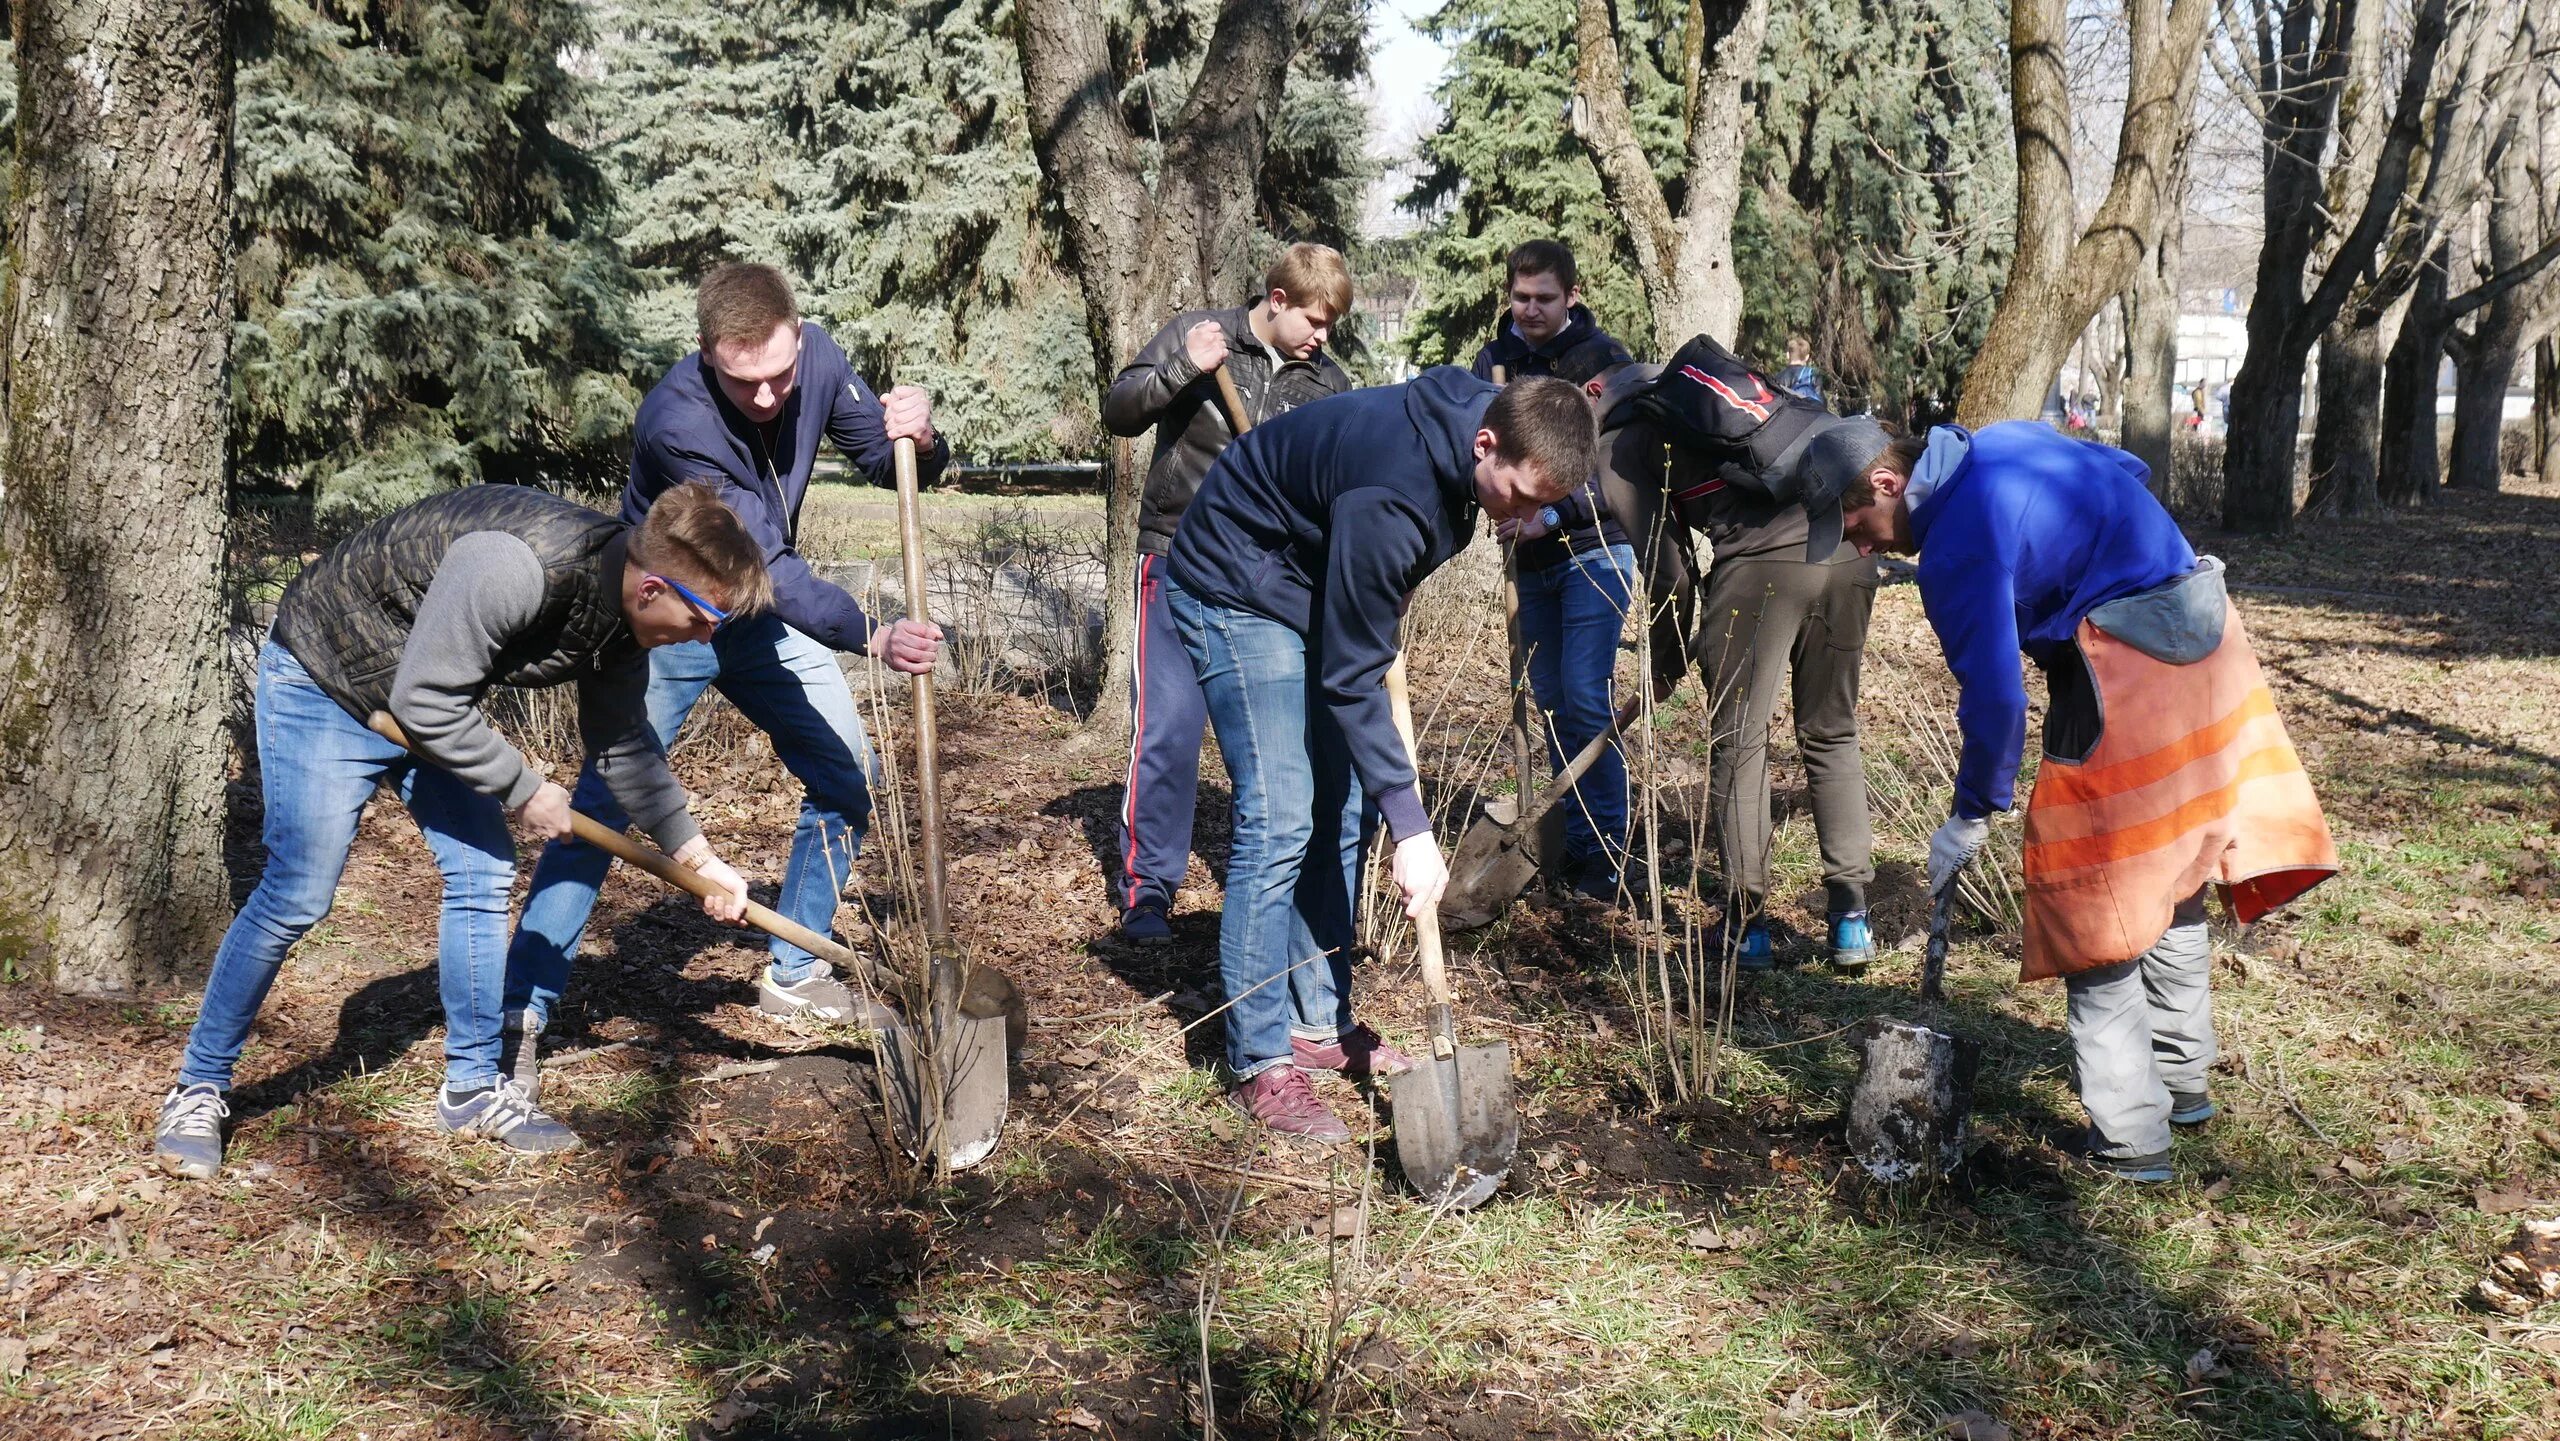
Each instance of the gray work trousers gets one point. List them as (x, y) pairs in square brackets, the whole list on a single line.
[(1769, 618), (2141, 1029)]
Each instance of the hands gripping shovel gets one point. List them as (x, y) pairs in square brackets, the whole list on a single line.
[(1456, 1128), (945, 1081)]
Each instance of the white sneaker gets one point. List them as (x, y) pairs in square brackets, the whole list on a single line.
[(820, 998)]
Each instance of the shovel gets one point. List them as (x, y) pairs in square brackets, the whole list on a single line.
[(1497, 859), (1933, 962), (666, 868), (1456, 1128), (946, 1083)]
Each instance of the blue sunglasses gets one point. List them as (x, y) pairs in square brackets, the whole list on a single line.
[(704, 608)]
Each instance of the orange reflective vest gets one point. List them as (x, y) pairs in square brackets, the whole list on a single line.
[(2192, 781)]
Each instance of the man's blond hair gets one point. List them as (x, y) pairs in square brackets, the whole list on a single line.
[(692, 535), (1312, 272)]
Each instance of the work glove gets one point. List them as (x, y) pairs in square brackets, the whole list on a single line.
[(1954, 845)]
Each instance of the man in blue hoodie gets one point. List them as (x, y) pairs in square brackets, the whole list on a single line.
[(746, 414), (1288, 582), (2165, 766)]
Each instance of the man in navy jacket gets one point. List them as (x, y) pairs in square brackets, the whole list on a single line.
[(1288, 581), (746, 414)]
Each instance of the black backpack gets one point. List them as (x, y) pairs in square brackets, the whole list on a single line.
[(1747, 431)]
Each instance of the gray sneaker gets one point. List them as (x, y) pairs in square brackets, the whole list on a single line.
[(520, 1053), (2191, 1108), (506, 1115), (819, 998), (190, 1139)]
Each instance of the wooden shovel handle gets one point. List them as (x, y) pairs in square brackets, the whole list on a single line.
[(1499, 378), (657, 863), (928, 764), (1234, 399), (1583, 760), (1426, 927)]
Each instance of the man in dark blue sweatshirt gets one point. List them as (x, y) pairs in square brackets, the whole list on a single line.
[(1289, 578), (745, 414)]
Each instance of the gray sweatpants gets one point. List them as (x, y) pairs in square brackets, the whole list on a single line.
[(2141, 1029), (1772, 619)]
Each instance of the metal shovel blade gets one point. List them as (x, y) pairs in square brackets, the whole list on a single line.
[(1456, 1129), (973, 1087), (1492, 867)]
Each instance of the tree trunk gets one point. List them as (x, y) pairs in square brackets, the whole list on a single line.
[(2479, 405), (2497, 339), (1139, 256), (2408, 471), (2346, 435), (2546, 400), (2151, 342), (2063, 272), (1686, 264), (118, 309)]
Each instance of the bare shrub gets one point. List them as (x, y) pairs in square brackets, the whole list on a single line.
[(1019, 598)]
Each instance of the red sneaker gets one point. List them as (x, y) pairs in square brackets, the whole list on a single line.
[(1357, 1053), (1281, 1099)]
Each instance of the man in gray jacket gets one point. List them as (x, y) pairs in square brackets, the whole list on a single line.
[(416, 617), (1274, 352)]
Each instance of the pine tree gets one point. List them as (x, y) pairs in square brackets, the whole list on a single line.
[(427, 294), (1879, 194), (877, 152), (1504, 168), (1876, 191)]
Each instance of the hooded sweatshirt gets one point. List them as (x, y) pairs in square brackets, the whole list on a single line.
[(1325, 520), (2028, 532), (1577, 353)]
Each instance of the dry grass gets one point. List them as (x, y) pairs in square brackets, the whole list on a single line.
[(1713, 1269)]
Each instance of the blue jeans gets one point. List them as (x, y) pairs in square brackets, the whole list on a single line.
[(792, 688), (1293, 863), (1571, 617), (318, 767)]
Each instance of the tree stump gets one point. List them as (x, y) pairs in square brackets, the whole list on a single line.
[(1908, 1114)]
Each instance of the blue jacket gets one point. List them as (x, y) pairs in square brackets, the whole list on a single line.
[(1325, 519), (687, 430), (2030, 532)]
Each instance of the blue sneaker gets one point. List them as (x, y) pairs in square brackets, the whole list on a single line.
[(504, 1114), (1853, 943), (2191, 1108), (189, 1142), (1144, 924), (1755, 953)]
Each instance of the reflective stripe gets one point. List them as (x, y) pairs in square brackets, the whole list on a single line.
[(2073, 785), (2126, 842)]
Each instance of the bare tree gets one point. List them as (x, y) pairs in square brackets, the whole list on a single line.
[(1685, 262), (1142, 252), (118, 314), (2151, 336), (2487, 358), (2063, 271), (2297, 68)]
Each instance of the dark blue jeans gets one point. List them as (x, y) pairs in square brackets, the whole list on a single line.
[(1571, 617), (1293, 864), (1166, 717), (792, 688), (317, 768)]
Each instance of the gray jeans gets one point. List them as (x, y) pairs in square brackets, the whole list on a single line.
[(2141, 1029), (1775, 620)]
